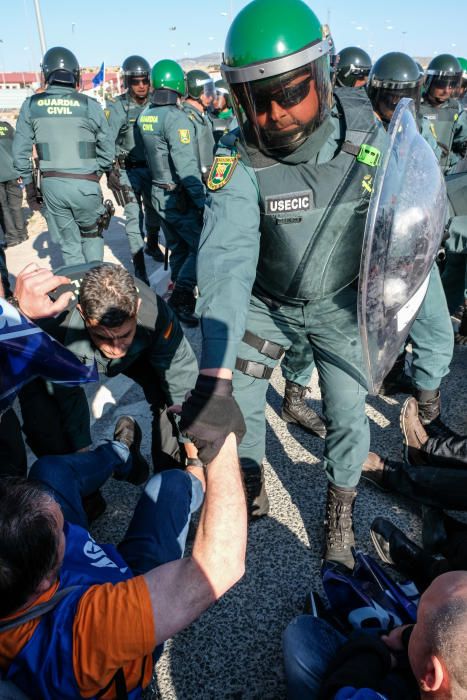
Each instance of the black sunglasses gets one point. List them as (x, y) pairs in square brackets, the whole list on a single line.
[(287, 96), (139, 81)]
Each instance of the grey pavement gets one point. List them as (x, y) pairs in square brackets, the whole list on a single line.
[(234, 650)]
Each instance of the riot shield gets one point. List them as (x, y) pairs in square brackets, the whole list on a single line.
[(404, 227)]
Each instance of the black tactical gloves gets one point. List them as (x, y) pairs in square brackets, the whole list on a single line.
[(209, 415), (113, 180)]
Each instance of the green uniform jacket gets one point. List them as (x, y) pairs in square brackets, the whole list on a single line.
[(448, 124), (205, 143), (7, 171), (236, 230), (122, 114), (70, 132), (169, 141), (159, 340)]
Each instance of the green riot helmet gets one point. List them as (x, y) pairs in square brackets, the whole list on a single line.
[(200, 86), (354, 67), (420, 68), (463, 82), (276, 64), (223, 91), (443, 76), (168, 75), (394, 76), (135, 67), (60, 67)]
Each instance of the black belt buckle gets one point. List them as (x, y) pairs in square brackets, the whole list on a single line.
[(253, 369), (272, 350)]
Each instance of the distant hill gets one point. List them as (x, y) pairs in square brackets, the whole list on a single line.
[(206, 61)]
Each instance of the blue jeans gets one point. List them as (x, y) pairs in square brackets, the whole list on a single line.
[(159, 527), (309, 645)]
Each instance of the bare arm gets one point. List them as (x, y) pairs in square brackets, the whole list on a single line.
[(32, 288), (181, 590)]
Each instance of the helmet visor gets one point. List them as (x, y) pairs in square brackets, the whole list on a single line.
[(280, 112), (348, 76), (385, 100)]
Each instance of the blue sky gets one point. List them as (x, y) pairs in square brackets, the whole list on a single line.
[(110, 30)]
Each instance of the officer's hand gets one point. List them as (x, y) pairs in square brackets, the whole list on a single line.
[(32, 288), (113, 180), (209, 414), (31, 196)]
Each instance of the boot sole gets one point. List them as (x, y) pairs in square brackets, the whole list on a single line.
[(288, 418), (378, 549)]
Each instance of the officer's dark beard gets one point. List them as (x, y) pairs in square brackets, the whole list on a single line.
[(286, 141)]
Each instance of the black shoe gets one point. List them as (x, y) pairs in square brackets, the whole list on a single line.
[(339, 532), (128, 432), (94, 505), (429, 414), (183, 303), (256, 497), (373, 470), (154, 252), (396, 381), (393, 547), (140, 267), (296, 410)]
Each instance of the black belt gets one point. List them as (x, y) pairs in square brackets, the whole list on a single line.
[(73, 176), (253, 369), (265, 347)]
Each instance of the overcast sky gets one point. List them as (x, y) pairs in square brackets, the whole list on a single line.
[(110, 30)]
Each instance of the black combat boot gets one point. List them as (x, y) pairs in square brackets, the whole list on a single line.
[(396, 380), (183, 303), (140, 267), (296, 410), (256, 497), (128, 432), (461, 335), (395, 548), (152, 247), (338, 525), (429, 413)]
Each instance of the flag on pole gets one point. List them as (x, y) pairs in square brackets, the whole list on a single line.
[(26, 352), (99, 77)]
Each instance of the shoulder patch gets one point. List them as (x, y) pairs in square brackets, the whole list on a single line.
[(221, 171), (184, 135)]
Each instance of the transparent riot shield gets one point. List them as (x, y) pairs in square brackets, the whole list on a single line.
[(404, 228)]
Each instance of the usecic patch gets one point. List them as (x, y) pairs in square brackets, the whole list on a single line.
[(221, 171), (184, 135)]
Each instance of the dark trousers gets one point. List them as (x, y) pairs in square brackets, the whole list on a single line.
[(12, 452), (4, 271), (442, 482), (11, 212)]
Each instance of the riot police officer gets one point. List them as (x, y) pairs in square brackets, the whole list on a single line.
[(74, 146), (353, 67), (222, 112), (131, 183), (462, 90), (442, 108), (394, 76), (199, 97), (178, 193), (280, 250)]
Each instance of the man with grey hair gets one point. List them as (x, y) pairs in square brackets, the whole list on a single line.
[(425, 660), (119, 322)]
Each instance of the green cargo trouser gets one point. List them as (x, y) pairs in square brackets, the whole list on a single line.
[(455, 279), (140, 210), (72, 208), (330, 326), (432, 337), (182, 232), (432, 343)]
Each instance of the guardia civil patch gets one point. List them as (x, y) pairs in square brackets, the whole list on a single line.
[(184, 135), (107, 113), (221, 171)]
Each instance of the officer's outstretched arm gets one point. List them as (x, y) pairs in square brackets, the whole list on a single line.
[(105, 143), (180, 136), (181, 590), (23, 143)]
